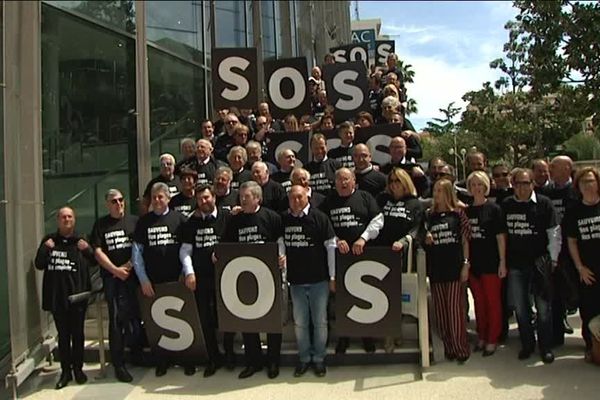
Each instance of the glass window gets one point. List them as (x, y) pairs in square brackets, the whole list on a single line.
[(116, 13), (88, 116), (268, 30), (230, 27), (176, 102)]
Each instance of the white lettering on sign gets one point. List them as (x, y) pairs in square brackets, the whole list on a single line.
[(184, 331), (274, 86), (293, 146), (374, 142), (361, 290), (342, 87), (266, 288), (383, 51), (242, 86)]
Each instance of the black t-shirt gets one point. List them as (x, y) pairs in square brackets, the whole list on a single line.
[(526, 224), (283, 178), (223, 144), (173, 184), (228, 201), (322, 175), (114, 236), (487, 221), (562, 198), (343, 155), (159, 236), (582, 222), (260, 227), (240, 177), (274, 195), (204, 234), (445, 255), (371, 181), (316, 199), (350, 215), (183, 204), (498, 195), (306, 254), (206, 171), (401, 217)]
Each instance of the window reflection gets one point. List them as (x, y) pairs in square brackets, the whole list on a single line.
[(117, 13)]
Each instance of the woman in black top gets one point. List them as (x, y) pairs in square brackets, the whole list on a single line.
[(402, 213), (488, 261), (582, 225), (446, 239)]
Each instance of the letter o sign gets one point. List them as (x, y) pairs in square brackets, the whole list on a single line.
[(275, 88), (266, 288)]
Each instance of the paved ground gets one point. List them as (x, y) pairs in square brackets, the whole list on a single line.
[(501, 376)]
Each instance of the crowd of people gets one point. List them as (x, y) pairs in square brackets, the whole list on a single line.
[(520, 239)]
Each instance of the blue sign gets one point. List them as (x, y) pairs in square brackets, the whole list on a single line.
[(365, 36)]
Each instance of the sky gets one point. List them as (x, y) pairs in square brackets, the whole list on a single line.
[(449, 44)]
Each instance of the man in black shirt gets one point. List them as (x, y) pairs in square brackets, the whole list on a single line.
[(227, 198), (541, 173), (501, 187), (155, 253), (310, 261), (322, 169), (301, 177), (256, 224), (225, 140), (185, 202), (111, 239), (399, 158), (287, 161), (367, 178), (200, 233), (238, 160), (203, 162), (533, 237), (167, 175), (273, 194), (343, 153)]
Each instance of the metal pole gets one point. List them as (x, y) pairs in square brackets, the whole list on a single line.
[(142, 98)]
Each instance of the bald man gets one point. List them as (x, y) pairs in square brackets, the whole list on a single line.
[(367, 178)]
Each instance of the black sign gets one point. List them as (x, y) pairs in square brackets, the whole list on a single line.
[(287, 88), (295, 141), (235, 78), (249, 288), (351, 52), (369, 293), (383, 48), (347, 88), (172, 323), (378, 138)]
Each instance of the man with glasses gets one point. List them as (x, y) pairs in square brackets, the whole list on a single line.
[(167, 176), (533, 242), (111, 239), (501, 187), (225, 139)]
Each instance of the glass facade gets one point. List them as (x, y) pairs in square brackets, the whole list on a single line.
[(118, 14)]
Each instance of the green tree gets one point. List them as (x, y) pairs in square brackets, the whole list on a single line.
[(445, 125)]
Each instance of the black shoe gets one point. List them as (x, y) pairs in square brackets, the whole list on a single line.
[(273, 371), (567, 328), (301, 369), (478, 348), (320, 369), (547, 357), (189, 370), (230, 361), (342, 345), (461, 360), (122, 374), (80, 377), (450, 357), (248, 372), (65, 378), (524, 354), (369, 345), (210, 369), (161, 370)]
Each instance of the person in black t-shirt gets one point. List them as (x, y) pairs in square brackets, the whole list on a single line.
[(533, 241), (111, 239), (582, 226), (356, 219), (399, 158), (273, 194), (343, 153), (203, 162), (238, 158), (227, 198), (66, 257), (301, 177), (321, 168), (501, 187), (488, 261), (167, 175), (155, 252), (446, 234), (310, 261), (367, 178), (287, 161), (185, 201), (224, 141), (199, 235), (256, 224)]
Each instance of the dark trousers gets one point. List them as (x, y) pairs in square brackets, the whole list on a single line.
[(589, 307), (253, 351), (124, 324), (559, 311), (69, 324), (206, 303)]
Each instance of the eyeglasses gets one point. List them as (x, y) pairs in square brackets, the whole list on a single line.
[(117, 200), (522, 183)]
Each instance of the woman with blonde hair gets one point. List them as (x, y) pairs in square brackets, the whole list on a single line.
[(488, 261), (446, 234)]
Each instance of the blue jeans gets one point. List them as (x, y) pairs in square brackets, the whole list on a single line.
[(519, 292), (311, 301)]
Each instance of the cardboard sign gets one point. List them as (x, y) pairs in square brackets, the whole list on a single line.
[(378, 138), (287, 87), (350, 53), (369, 293), (383, 48), (295, 141), (347, 88), (172, 323), (235, 78), (249, 288)]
